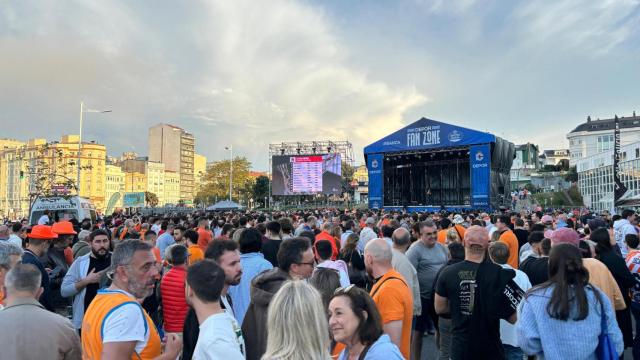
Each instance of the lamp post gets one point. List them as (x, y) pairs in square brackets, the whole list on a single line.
[(82, 111), (230, 148)]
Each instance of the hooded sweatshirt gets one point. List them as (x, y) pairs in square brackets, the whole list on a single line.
[(254, 325), (621, 228)]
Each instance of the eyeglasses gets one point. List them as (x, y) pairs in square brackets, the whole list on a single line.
[(343, 290)]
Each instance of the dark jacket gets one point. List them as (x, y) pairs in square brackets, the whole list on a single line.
[(45, 299), (254, 326)]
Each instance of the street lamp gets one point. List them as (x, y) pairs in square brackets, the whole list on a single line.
[(230, 148), (82, 111)]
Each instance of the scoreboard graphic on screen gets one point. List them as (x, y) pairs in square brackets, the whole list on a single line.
[(306, 174)]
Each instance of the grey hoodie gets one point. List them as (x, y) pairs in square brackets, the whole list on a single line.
[(254, 326)]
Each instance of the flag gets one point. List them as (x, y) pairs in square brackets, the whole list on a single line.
[(618, 187)]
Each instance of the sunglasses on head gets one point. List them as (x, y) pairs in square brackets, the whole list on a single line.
[(343, 290)]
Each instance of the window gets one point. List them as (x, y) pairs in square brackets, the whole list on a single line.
[(605, 142), (637, 153)]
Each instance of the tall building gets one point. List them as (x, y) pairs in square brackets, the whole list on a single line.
[(114, 183), (554, 157), (596, 136), (174, 147)]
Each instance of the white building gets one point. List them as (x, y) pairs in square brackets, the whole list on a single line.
[(595, 176), (554, 157), (596, 136)]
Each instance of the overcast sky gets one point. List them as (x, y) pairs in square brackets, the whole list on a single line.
[(249, 73)]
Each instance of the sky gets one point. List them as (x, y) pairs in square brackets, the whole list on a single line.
[(249, 73)]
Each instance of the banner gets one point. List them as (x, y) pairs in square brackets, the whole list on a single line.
[(480, 163), (618, 187), (133, 200), (374, 165)]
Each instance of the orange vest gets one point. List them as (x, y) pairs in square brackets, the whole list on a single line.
[(102, 305)]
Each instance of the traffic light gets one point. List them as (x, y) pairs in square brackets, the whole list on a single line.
[(21, 174)]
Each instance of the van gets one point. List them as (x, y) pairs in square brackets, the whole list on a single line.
[(63, 208)]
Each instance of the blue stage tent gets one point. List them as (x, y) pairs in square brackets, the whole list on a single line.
[(489, 162)]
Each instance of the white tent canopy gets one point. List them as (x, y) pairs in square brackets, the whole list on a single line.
[(224, 205)]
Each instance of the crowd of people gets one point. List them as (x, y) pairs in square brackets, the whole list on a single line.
[(322, 284)]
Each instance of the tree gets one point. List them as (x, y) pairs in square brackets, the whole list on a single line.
[(572, 175), (261, 188), (51, 173), (151, 198), (216, 181)]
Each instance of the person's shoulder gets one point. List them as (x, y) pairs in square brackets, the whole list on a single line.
[(383, 348)]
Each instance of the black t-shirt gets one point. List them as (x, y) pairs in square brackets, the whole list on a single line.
[(270, 251), (477, 303), (92, 289), (537, 269), (522, 235)]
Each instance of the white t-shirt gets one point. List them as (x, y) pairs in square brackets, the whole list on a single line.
[(220, 338), (508, 333), (126, 323), (44, 220)]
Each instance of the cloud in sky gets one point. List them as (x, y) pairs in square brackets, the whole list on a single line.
[(240, 72), (255, 72)]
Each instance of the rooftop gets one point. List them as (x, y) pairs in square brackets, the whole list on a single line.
[(608, 124)]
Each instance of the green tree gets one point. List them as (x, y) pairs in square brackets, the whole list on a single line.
[(347, 176), (50, 173), (261, 188), (151, 198), (572, 175), (216, 181)]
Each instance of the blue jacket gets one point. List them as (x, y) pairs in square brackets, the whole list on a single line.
[(252, 265), (539, 334), (45, 299), (382, 349)]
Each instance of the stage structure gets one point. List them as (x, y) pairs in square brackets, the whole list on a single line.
[(430, 166), (308, 167)]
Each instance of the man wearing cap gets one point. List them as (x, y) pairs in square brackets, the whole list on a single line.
[(37, 245), (473, 292), (59, 257), (599, 274), (457, 224)]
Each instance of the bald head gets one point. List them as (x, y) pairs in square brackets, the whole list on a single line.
[(4, 231), (379, 250), (401, 237)]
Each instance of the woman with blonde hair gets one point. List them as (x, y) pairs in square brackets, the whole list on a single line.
[(452, 236), (297, 324)]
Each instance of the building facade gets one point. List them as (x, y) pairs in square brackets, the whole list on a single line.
[(596, 136), (199, 171), (175, 148), (555, 157), (37, 167), (361, 189), (171, 187), (155, 180), (114, 184), (595, 176)]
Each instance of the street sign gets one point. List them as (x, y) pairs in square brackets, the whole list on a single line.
[(133, 200)]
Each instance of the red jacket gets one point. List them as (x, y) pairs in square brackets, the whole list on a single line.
[(174, 304)]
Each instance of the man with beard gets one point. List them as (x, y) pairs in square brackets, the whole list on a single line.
[(115, 326), (225, 253), (87, 274)]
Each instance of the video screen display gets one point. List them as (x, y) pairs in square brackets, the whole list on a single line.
[(306, 174)]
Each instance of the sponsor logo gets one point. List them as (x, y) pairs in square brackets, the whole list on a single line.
[(395, 142), (374, 164), (483, 165), (455, 136), (479, 156)]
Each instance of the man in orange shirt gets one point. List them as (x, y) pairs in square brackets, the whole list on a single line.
[(195, 253), (325, 235), (508, 237), (445, 225), (204, 234), (391, 294)]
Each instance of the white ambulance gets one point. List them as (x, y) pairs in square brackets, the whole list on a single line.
[(63, 208)]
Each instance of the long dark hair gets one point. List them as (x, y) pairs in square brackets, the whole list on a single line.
[(569, 279), (602, 239)]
